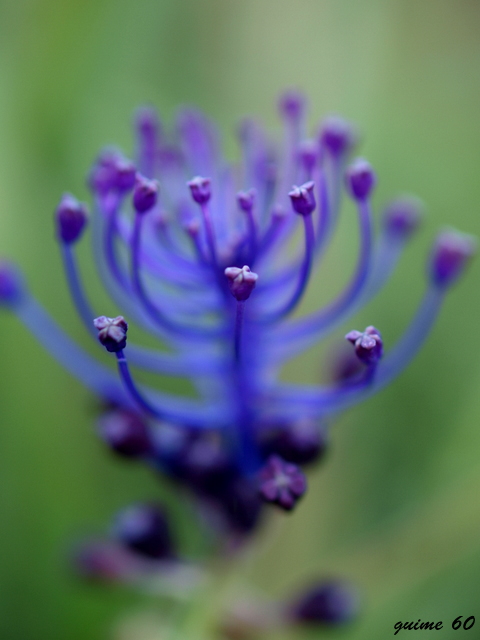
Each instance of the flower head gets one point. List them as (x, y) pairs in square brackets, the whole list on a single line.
[(197, 251)]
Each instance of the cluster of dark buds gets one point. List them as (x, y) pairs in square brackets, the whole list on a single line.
[(205, 256)]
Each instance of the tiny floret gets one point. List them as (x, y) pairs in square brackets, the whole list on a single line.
[(292, 104), (360, 179), (125, 432), (332, 602), (71, 216), (112, 173), (143, 528), (147, 123), (336, 136), (241, 282), (452, 251), (145, 194), (281, 483), (10, 284), (368, 345), (403, 216), (308, 154), (112, 332), (303, 198), (200, 188), (301, 442), (246, 200)]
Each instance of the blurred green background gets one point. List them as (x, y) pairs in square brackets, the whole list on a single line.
[(396, 506)]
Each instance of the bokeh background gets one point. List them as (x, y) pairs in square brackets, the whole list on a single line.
[(395, 508)]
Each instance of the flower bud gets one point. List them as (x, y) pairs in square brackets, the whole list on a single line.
[(200, 188), (11, 285), (360, 179), (402, 216), (303, 198), (112, 332), (281, 483), (330, 603), (292, 104), (368, 345), (452, 251), (71, 216), (144, 528), (246, 200), (336, 135), (145, 194), (241, 282), (125, 433)]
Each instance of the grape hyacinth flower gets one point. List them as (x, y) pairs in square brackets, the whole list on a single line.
[(202, 254)]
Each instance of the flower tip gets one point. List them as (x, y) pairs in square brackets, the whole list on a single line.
[(146, 122), (292, 104), (145, 194), (71, 217), (246, 200), (241, 282), (143, 528), (200, 189), (112, 172), (125, 433), (281, 483), (452, 250), (333, 602), (112, 332), (308, 154), (11, 283), (337, 136), (360, 179), (368, 345), (403, 216), (303, 198)]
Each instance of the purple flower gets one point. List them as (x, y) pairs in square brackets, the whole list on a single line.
[(112, 332), (331, 603), (281, 483), (206, 265), (368, 345)]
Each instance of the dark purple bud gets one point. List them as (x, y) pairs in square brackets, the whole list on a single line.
[(360, 179), (241, 505), (329, 603), (145, 194), (144, 528), (403, 216), (451, 253), (246, 200), (125, 175), (302, 442), (303, 198), (112, 172), (292, 104), (102, 174), (147, 124), (71, 217), (11, 285), (368, 345), (206, 466), (125, 432), (241, 282), (112, 332), (281, 483), (337, 136), (308, 154), (200, 188)]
